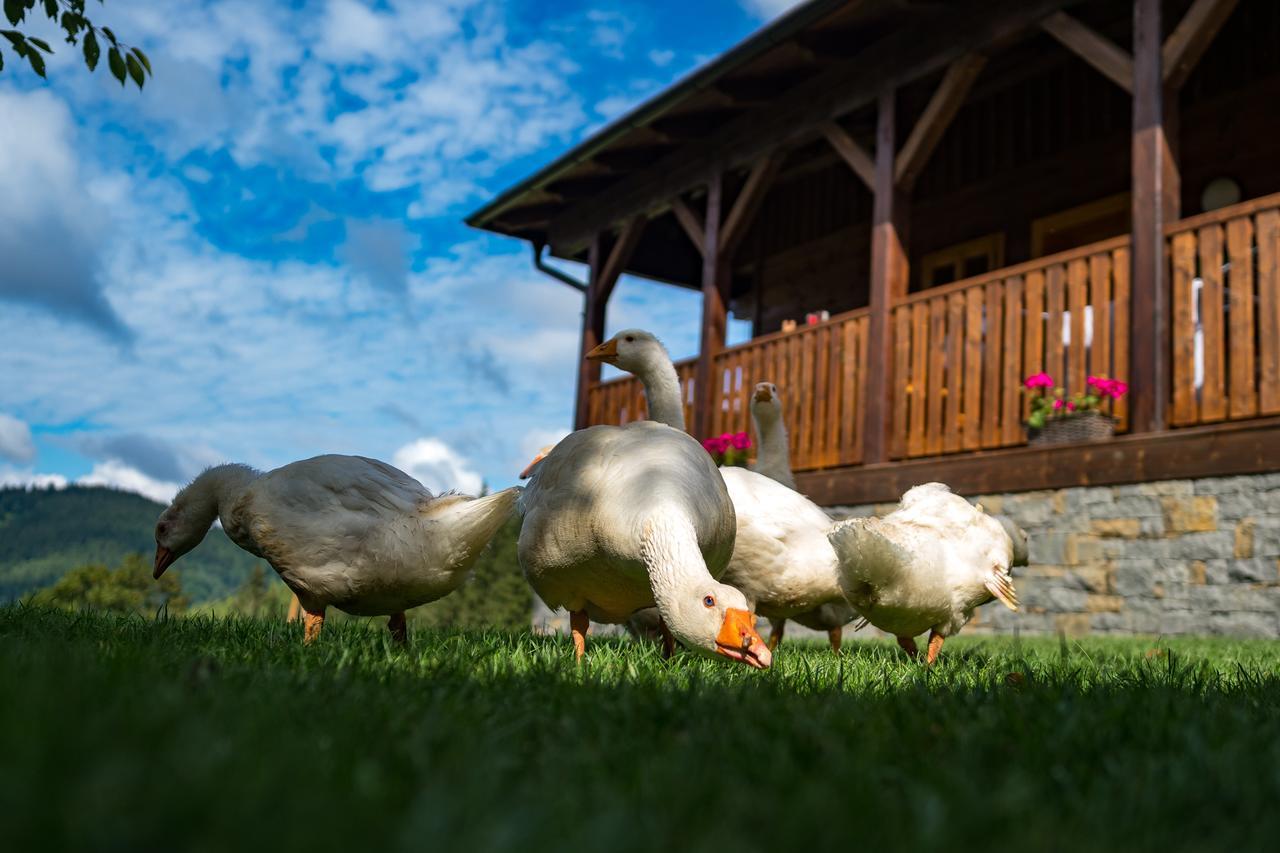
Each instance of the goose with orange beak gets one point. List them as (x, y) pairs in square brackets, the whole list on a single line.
[(618, 519)]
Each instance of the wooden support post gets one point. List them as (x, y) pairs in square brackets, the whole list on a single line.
[(1156, 190), (593, 310), (888, 284), (715, 307), (605, 271)]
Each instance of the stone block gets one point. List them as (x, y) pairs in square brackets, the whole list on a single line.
[(1083, 549), (1197, 572), (1133, 577), (1100, 603), (1072, 624), (1129, 506), (1244, 538), (1167, 487), (1088, 578), (1241, 624), (1266, 537), (1116, 528), (1192, 514), (1048, 548), (1200, 546)]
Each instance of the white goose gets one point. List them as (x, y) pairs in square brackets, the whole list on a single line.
[(782, 561), (773, 459), (342, 531), (621, 518), (925, 566)]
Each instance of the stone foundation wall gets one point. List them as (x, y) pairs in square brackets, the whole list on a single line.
[(1172, 557)]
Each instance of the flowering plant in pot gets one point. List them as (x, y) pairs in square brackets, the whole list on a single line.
[(1057, 418), (729, 448)]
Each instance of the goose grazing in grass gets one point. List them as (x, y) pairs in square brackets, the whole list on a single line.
[(925, 566), (773, 460), (617, 519), (341, 531)]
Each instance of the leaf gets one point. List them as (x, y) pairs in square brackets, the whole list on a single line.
[(142, 57), (91, 50), (41, 43), (15, 38), (51, 8), (1, 61), (37, 61), (14, 10), (111, 37), (135, 69), (116, 64)]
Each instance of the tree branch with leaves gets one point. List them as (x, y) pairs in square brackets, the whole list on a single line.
[(124, 62)]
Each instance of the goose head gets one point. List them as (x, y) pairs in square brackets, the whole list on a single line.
[(533, 465), (184, 523), (633, 350), (766, 403), (715, 619)]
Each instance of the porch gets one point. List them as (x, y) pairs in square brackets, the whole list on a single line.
[(961, 351)]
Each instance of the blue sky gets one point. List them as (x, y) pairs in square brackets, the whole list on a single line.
[(261, 257)]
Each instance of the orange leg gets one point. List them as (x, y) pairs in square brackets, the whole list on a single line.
[(399, 628), (312, 623), (579, 624), (668, 641), (777, 627), (295, 610), (908, 645), (935, 646), (835, 635)]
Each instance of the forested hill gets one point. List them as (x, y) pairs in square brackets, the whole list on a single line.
[(46, 532)]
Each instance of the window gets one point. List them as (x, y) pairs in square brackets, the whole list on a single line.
[(1080, 226), (963, 260)]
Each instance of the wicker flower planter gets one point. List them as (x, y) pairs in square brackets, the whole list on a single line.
[(1090, 426)]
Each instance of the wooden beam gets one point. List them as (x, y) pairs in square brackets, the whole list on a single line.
[(620, 255), (744, 210), (1100, 52), (1191, 38), (851, 152), (1155, 194), (904, 55), (936, 118), (593, 315), (888, 283), (1242, 447), (690, 222), (715, 309)]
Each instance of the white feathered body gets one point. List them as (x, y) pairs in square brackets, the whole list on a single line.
[(782, 560), (926, 565), (362, 536), (586, 507)]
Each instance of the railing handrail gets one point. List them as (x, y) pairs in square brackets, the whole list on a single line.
[(800, 329), (1222, 214)]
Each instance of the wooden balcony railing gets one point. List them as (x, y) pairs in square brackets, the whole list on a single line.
[(1225, 274), (962, 351), (821, 373)]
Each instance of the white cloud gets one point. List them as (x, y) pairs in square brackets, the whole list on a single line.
[(117, 475), (15, 440), (15, 478), (661, 57), (437, 466), (768, 9)]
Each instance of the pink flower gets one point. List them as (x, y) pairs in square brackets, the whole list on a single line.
[(1071, 407), (1058, 404), (740, 440), (1038, 380), (1119, 389), (715, 446)]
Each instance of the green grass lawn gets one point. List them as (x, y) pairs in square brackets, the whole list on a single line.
[(129, 734)]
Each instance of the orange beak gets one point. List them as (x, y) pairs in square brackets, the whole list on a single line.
[(164, 559), (605, 352), (528, 469), (763, 395), (739, 641)]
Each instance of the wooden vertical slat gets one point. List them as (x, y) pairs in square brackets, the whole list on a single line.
[(793, 398), (1054, 298), (1011, 413), (864, 341), (835, 359), (936, 399), (1213, 401), (1120, 328), (955, 373), (1268, 237), (919, 376), (1183, 369), (848, 389), (991, 373), (973, 369), (1077, 298), (901, 379), (806, 397), (1243, 395), (1033, 331), (1100, 303)]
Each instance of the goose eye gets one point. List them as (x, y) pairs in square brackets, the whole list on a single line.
[(709, 601), (629, 338)]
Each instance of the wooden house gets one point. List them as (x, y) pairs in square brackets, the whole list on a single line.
[(975, 191)]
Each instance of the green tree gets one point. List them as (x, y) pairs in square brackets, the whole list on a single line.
[(127, 589), (125, 63)]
